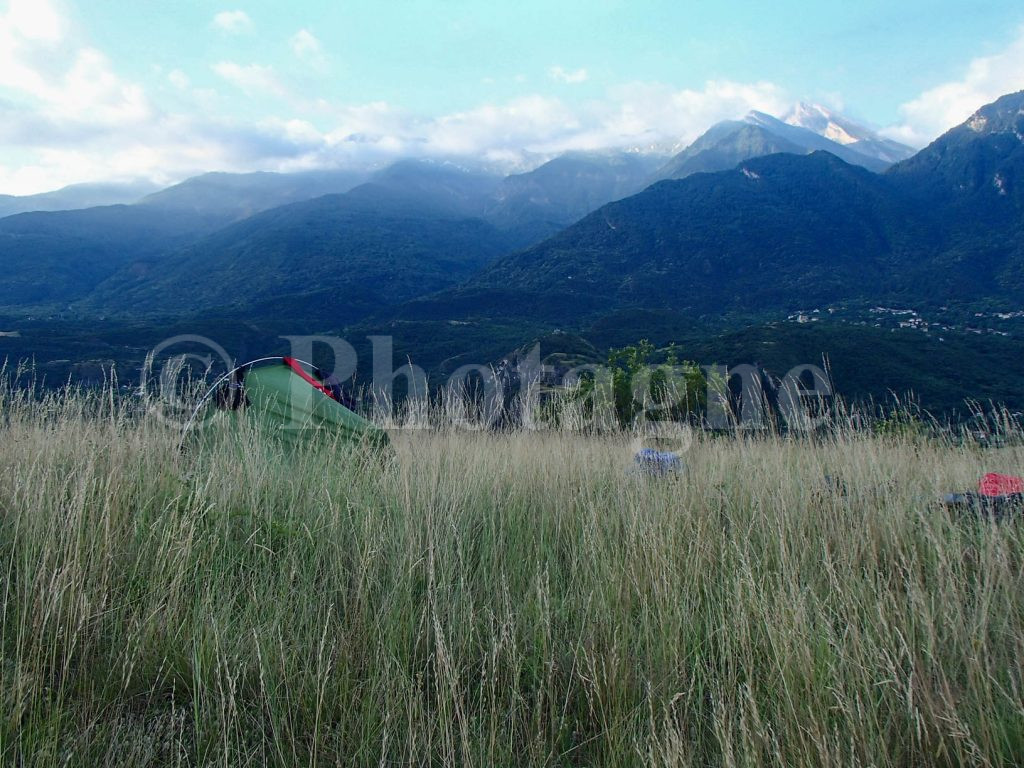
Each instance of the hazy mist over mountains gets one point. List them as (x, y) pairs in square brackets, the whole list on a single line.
[(806, 127)]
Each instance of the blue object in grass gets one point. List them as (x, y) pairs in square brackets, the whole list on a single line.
[(652, 462)]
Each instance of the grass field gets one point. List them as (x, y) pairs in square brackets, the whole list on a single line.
[(498, 600)]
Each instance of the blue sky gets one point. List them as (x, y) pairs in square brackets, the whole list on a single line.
[(117, 90)]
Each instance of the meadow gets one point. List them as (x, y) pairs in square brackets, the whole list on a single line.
[(499, 599)]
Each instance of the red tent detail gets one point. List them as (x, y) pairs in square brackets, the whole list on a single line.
[(994, 484)]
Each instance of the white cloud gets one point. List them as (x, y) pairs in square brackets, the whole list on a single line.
[(129, 139), (178, 79), (531, 127), (30, 34), (52, 82), (531, 124), (655, 113), (92, 91), (308, 48), (940, 108), (34, 20), (233, 22), (67, 115), (565, 76), (251, 78)]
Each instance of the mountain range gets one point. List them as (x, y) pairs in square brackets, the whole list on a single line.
[(62, 258), (756, 219), (775, 234), (781, 232), (562, 189)]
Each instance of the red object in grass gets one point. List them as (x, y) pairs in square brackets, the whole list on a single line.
[(993, 484)]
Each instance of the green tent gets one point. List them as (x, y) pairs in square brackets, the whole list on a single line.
[(290, 401)]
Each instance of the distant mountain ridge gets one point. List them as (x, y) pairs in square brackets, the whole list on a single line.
[(239, 195), (75, 197), (539, 203), (63, 256), (776, 233)]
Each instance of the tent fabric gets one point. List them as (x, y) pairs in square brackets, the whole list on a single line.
[(994, 484), (296, 367), (285, 401)]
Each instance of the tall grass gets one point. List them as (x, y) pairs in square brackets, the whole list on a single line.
[(498, 600)]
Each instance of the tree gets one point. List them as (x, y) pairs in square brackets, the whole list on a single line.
[(644, 390)]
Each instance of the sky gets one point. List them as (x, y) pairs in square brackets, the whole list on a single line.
[(111, 90)]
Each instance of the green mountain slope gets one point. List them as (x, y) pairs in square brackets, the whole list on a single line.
[(974, 175), (60, 257), (778, 233), (338, 257)]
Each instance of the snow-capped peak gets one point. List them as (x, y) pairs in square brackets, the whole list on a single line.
[(824, 122)]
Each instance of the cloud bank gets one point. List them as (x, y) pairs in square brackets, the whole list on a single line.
[(947, 105), (67, 115), (72, 117)]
